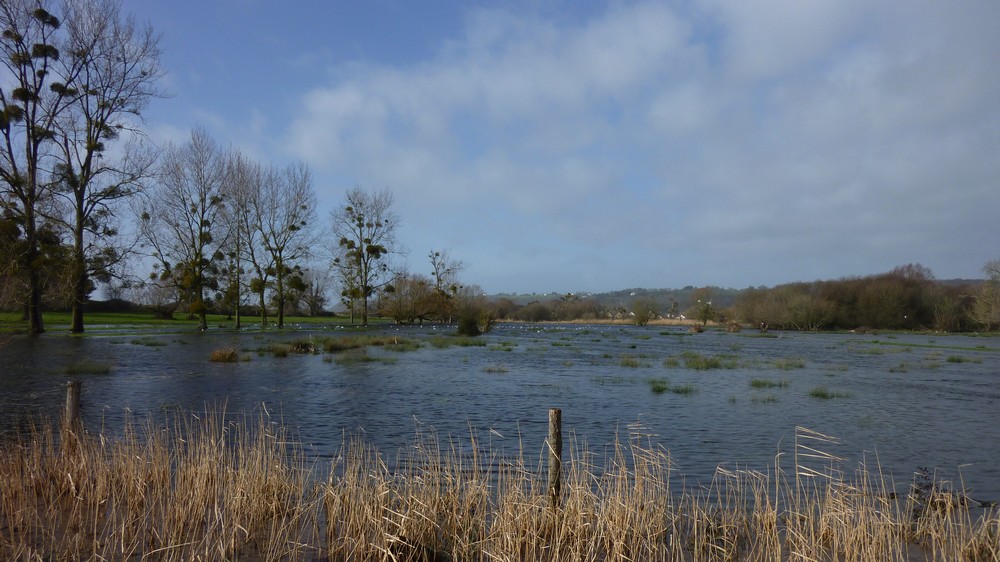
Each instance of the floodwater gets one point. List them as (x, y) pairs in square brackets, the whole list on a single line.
[(902, 401)]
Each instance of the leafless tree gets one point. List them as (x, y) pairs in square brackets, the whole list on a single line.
[(285, 219), (365, 230), (119, 69), (183, 222)]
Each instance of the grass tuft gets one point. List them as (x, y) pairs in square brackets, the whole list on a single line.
[(225, 355)]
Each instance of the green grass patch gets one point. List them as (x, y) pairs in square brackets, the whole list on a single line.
[(495, 368), (764, 399)]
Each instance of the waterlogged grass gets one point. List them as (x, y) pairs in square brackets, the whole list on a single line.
[(443, 342), (660, 385), (697, 361), (824, 393), (763, 399), (495, 368), (88, 367), (207, 489), (633, 362), (360, 356), (148, 342), (768, 383), (961, 359)]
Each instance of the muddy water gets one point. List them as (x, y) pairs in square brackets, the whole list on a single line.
[(904, 401)]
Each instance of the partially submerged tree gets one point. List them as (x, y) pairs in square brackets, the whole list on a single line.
[(365, 230)]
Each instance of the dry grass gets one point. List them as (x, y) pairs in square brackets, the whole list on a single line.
[(205, 489)]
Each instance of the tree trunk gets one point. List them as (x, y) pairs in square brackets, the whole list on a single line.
[(79, 275), (35, 324)]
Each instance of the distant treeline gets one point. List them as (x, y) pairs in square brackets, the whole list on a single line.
[(905, 298)]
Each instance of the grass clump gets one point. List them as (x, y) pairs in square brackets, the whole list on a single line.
[(495, 368), (225, 355)]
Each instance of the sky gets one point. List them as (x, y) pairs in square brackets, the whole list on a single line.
[(586, 146)]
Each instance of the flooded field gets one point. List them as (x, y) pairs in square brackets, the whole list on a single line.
[(904, 401)]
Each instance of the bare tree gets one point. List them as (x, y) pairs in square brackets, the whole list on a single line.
[(119, 67), (183, 221), (285, 215), (365, 229), (244, 185)]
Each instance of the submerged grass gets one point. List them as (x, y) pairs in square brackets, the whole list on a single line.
[(88, 367), (824, 393), (203, 488)]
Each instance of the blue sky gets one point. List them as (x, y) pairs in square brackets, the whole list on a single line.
[(588, 146)]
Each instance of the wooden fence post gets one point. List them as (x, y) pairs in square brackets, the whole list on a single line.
[(71, 416), (555, 456)]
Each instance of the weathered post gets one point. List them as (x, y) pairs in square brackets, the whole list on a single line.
[(555, 456), (71, 417)]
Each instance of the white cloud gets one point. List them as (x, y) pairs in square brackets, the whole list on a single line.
[(721, 138)]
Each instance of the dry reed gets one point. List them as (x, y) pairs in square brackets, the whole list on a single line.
[(203, 488)]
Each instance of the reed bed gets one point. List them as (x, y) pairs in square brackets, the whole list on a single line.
[(203, 488)]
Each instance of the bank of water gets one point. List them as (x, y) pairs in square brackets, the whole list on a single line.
[(903, 401)]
